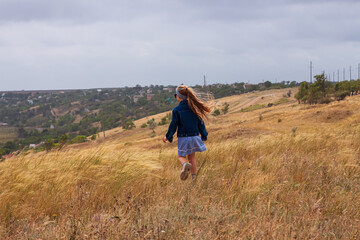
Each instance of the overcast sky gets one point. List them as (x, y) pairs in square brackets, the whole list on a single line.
[(71, 44)]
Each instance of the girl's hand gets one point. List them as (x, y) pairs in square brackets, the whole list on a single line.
[(164, 139)]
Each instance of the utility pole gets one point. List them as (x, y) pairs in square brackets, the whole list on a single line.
[(333, 76), (343, 74), (350, 73), (204, 81), (359, 71), (338, 75), (311, 67)]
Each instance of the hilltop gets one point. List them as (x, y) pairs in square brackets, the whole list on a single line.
[(274, 169)]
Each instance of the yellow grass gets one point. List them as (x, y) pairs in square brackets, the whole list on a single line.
[(298, 178)]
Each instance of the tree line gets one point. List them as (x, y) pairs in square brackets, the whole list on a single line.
[(323, 91)]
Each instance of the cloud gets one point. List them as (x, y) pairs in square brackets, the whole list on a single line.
[(88, 43)]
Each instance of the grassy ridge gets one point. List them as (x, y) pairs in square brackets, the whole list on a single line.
[(258, 179)]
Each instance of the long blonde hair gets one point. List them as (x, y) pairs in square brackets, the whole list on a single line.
[(199, 107)]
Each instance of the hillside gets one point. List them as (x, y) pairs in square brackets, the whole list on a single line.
[(29, 118), (272, 171)]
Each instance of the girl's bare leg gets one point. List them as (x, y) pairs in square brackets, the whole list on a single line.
[(192, 160), (182, 160)]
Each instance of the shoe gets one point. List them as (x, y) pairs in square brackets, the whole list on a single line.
[(185, 171)]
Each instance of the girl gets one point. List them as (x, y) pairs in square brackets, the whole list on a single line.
[(188, 118)]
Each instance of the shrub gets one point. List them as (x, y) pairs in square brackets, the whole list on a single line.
[(226, 108), (144, 125), (279, 120), (216, 112), (289, 93), (341, 95), (49, 144), (79, 139), (129, 125), (163, 121)]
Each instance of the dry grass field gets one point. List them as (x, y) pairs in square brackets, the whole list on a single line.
[(288, 171)]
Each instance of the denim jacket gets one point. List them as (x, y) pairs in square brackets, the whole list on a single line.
[(186, 122)]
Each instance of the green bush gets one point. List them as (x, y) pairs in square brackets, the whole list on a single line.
[(129, 125), (79, 139), (216, 112), (226, 108), (49, 144)]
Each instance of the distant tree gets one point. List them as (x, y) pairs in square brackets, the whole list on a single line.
[(303, 92), (321, 84), (63, 140), (152, 125), (268, 84)]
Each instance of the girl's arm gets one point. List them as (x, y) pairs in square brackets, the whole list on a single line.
[(173, 126), (202, 129)]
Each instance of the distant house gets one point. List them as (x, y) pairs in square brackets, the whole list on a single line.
[(142, 92), (149, 91), (86, 110), (4, 124), (99, 90), (149, 96), (30, 102), (261, 85), (170, 89), (32, 145), (52, 126)]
